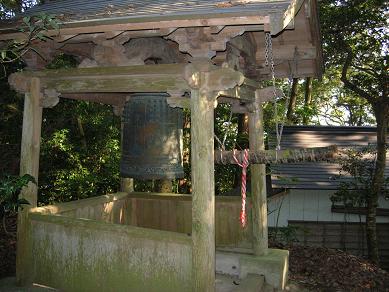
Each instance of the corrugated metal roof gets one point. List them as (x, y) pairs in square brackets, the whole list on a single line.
[(317, 175), (79, 9)]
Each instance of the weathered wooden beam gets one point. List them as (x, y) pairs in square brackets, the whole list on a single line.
[(160, 69), (29, 164), (244, 92), (258, 181), (116, 99), (279, 157), (117, 84), (203, 202), (282, 52), (148, 78), (280, 20), (142, 78)]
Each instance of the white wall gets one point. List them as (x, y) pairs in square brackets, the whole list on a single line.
[(310, 205)]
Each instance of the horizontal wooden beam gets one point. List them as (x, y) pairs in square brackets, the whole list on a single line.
[(289, 52), (144, 83), (116, 99), (110, 84), (244, 93), (150, 78), (278, 157), (160, 69)]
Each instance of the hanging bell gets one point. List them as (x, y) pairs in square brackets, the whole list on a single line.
[(152, 138)]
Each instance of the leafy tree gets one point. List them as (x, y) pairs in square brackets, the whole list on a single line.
[(10, 187), (360, 164), (80, 149), (356, 43)]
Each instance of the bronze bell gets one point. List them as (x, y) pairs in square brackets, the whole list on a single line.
[(152, 138)]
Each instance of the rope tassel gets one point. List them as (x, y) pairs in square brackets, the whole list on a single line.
[(244, 165)]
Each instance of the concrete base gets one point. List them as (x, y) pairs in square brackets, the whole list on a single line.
[(273, 266), (227, 283), (9, 285)]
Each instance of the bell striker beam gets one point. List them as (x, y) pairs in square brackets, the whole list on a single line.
[(29, 164), (258, 180), (203, 195)]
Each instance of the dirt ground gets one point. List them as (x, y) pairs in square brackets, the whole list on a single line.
[(324, 269), (316, 269)]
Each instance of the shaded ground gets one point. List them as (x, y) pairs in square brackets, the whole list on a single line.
[(7, 247), (318, 269)]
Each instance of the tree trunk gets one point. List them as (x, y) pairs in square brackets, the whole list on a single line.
[(308, 97), (82, 132), (292, 100), (381, 110)]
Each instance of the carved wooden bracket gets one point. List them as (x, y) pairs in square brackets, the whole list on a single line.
[(179, 99), (261, 96), (204, 42), (215, 78), (20, 83), (50, 98), (241, 54)]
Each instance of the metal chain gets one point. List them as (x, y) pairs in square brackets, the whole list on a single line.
[(269, 59)]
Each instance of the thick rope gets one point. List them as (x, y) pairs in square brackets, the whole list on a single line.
[(244, 165)]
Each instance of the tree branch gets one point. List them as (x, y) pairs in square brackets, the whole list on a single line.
[(368, 71), (351, 85)]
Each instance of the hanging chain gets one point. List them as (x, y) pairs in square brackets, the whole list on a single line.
[(269, 60)]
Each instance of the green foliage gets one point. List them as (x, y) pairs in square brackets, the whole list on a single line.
[(10, 187), (360, 165), (226, 129), (34, 29), (285, 235), (79, 147), (357, 29), (8, 8), (80, 152)]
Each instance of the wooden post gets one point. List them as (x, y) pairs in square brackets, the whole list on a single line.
[(29, 164), (126, 183), (203, 195), (258, 182)]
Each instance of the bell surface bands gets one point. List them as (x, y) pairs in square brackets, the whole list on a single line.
[(152, 138)]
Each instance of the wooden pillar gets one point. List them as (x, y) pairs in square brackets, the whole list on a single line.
[(126, 183), (258, 182), (29, 164), (203, 195)]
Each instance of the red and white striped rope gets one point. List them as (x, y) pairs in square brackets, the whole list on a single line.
[(244, 165)]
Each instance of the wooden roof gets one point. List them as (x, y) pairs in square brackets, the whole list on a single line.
[(318, 175), (80, 10), (87, 26)]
